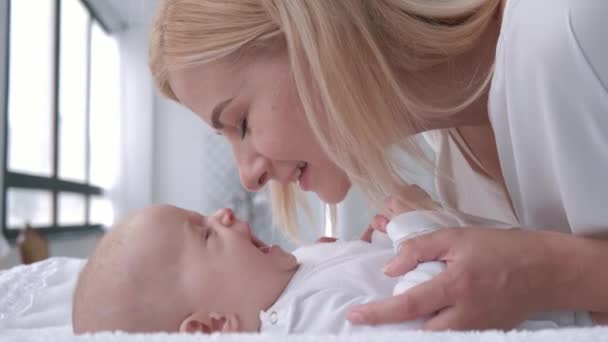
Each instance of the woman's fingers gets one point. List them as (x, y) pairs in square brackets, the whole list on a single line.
[(428, 247), (449, 318), (419, 301), (466, 317)]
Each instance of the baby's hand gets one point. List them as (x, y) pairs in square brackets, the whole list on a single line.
[(419, 199), (393, 207), (379, 223), (326, 239)]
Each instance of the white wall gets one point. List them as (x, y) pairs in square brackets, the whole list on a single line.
[(135, 184), (180, 151), (3, 56)]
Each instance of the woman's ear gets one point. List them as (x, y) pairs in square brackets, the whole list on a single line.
[(210, 322)]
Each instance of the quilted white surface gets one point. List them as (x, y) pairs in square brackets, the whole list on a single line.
[(36, 300), (38, 295)]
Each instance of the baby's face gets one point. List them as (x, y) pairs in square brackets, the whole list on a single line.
[(216, 260)]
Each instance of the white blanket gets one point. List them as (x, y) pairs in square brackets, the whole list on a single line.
[(579, 334), (36, 300)]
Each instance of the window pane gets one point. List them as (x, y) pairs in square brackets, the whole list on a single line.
[(29, 206), (30, 92), (73, 90), (71, 208), (101, 212), (104, 108)]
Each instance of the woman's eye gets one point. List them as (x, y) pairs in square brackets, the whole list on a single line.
[(243, 126)]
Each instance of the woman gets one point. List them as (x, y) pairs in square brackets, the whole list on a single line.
[(318, 92)]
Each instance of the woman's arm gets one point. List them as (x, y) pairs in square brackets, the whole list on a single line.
[(590, 289), (494, 278)]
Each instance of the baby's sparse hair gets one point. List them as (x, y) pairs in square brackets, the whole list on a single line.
[(116, 292)]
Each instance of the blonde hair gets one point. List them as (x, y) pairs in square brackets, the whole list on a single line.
[(345, 57)]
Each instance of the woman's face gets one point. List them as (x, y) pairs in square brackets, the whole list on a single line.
[(256, 107)]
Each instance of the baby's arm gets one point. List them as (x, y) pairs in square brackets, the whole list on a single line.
[(404, 227)]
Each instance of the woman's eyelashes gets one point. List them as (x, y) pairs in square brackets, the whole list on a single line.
[(243, 126)]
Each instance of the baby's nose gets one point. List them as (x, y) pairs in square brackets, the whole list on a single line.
[(227, 218)]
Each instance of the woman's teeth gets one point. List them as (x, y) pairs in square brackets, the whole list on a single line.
[(301, 167)]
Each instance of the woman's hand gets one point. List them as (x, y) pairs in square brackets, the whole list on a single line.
[(494, 279)]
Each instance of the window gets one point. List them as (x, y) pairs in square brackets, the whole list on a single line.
[(62, 82)]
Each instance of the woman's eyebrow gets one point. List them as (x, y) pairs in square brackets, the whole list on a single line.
[(217, 112)]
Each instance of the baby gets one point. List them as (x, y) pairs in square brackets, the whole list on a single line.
[(169, 269)]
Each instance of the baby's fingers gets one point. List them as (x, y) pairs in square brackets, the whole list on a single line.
[(379, 223)]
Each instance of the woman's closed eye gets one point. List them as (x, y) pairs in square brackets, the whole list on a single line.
[(243, 127)]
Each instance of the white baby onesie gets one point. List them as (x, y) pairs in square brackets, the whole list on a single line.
[(334, 277)]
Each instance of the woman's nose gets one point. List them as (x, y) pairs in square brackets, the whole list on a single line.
[(254, 172)]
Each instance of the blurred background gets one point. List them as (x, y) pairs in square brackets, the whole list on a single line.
[(86, 138)]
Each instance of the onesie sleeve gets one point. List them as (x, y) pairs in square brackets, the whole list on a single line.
[(414, 223)]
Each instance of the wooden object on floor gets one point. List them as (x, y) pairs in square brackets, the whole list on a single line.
[(33, 246)]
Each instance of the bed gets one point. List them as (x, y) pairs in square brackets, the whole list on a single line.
[(35, 305)]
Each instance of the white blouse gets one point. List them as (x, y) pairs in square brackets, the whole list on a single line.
[(549, 109)]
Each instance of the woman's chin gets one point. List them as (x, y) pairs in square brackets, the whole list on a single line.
[(334, 195)]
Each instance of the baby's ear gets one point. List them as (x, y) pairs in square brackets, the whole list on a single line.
[(210, 322)]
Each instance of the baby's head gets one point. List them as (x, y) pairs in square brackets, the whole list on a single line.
[(169, 269)]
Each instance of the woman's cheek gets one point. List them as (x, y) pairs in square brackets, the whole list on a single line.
[(275, 144)]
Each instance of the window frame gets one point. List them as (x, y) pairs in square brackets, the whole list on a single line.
[(53, 184)]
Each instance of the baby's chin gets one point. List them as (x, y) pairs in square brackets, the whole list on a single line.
[(283, 259)]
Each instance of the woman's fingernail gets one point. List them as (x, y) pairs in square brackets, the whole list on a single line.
[(356, 317)]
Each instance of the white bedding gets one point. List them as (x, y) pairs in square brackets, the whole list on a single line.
[(35, 305)]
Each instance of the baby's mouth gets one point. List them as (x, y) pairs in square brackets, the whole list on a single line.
[(259, 244)]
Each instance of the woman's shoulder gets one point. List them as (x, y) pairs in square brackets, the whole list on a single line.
[(554, 44), (549, 28)]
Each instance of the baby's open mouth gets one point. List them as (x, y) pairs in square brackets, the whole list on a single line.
[(259, 244)]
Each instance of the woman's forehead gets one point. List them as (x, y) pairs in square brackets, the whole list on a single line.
[(201, 88)]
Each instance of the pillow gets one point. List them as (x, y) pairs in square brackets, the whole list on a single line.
[(39, 295)]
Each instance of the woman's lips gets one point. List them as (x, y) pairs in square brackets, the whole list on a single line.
[(303, 180), (267, 249)]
